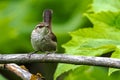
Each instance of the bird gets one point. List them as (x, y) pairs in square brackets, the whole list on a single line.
[(42, 37), (44, 40)]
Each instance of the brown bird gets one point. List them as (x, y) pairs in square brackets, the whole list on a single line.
[(42, 37), (44, 40)]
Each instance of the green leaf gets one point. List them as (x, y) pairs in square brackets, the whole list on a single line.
[(105, 19), (85, 73), (106, 5), (112, 21), (116, 54), (92, 42), (115, 75), (101, 39), (2, 78), (62, 68), (89, 42)]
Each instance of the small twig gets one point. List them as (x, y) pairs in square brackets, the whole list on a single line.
[(60, 58), (24, 74)]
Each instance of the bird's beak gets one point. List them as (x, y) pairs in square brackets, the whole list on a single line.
[(44, 30)]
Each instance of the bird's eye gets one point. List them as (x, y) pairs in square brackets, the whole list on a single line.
[(39, 26)]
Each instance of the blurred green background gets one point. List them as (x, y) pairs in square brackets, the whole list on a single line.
[(19, 17)]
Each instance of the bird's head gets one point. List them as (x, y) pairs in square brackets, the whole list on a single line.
[(42, 28)]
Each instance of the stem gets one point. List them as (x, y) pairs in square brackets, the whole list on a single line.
[(60, 58)]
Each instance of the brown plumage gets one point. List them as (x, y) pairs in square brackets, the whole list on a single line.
[(42, 37)]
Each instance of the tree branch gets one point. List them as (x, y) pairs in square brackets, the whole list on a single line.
[(60, 58), (21, 72)]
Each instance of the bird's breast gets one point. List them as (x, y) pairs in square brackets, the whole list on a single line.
[(42, 43)]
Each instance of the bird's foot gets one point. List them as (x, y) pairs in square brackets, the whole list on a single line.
[(31, 53), (49, 52)]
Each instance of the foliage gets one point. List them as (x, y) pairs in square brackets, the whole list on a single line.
[(18, 18), (2, 78), (97, 40)]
